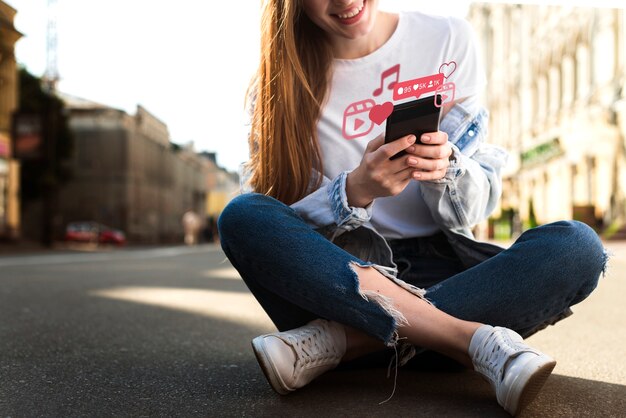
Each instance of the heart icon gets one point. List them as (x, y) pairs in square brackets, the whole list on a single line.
[(447, 68), (379, 113), (415, 86)]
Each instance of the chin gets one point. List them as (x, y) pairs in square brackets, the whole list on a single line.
[(359, 32)]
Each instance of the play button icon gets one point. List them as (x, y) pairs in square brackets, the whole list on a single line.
[(358, 123)]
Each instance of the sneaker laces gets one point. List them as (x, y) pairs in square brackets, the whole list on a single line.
[(495, 352), (314, 346), (407, 352)]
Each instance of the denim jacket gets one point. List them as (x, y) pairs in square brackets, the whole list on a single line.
[(467, 194)]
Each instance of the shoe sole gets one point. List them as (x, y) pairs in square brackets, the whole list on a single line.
[(532, 387), (267, 367)]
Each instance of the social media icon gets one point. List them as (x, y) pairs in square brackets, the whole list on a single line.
[(356, 120), (445, 93), (417, 87)]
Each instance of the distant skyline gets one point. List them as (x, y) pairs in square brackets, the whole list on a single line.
[(187, 62)]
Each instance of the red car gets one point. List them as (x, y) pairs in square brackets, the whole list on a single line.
[(94, 232)]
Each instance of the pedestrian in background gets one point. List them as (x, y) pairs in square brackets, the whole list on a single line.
[(350, 252), (191, 226), (210, 229)]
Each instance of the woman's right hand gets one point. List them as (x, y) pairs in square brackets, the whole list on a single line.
[(377, 175)]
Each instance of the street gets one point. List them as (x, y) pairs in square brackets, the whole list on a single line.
[(166, 332)]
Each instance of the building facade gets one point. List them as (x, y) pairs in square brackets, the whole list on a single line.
[(9, 167), (127, 174), (222, 186), (555, 94)]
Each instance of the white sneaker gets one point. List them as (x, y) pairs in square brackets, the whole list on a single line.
[(516, 371), (293, 358)]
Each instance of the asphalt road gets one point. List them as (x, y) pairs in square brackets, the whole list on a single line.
[(166, 332)]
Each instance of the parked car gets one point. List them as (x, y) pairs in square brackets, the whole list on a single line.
[(94, 232)]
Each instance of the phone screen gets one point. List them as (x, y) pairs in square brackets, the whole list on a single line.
[(416, 117)]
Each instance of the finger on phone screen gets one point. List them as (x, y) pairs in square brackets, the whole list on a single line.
[(392, 148)]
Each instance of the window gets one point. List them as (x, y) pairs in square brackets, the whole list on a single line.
[(567, 81), (582, 72)]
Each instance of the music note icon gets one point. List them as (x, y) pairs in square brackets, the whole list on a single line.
[(386, 74)]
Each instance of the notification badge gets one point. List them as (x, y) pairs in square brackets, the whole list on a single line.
[(417, 87)]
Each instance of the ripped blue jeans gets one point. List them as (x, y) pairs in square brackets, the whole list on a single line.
[(297, 275)]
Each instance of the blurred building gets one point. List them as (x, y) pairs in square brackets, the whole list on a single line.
[(127, 174), (9, 167), (222, 185), (555, 93)]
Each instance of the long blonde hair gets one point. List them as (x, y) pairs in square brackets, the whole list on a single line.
[(287, 94)]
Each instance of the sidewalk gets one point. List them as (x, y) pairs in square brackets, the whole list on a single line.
[(23, 247)]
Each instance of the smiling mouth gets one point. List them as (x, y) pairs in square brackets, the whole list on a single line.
[(351, 14)]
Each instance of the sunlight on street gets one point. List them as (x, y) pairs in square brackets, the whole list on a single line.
[(210, 303)]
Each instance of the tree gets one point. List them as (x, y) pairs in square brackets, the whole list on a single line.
[(532, 218), (40, 179)]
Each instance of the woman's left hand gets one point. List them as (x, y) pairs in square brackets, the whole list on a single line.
[(432, 157)]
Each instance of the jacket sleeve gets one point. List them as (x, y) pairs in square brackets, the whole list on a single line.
[(472, 186), (327, 207)]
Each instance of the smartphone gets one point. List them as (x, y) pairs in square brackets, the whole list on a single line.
[(415, 117)]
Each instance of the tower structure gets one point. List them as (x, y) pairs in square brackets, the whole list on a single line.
[(51, 76)]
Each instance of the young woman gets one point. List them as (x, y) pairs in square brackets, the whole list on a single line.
[(350, 252)]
